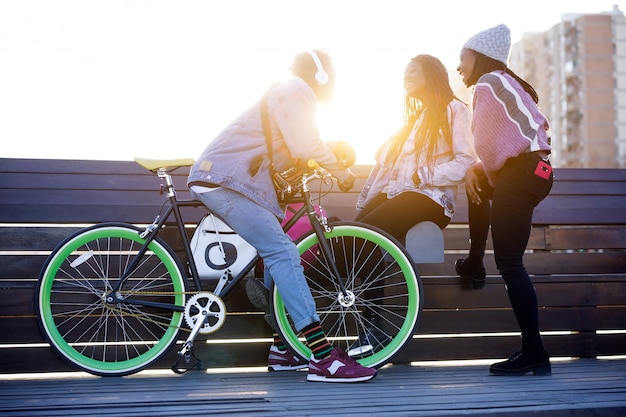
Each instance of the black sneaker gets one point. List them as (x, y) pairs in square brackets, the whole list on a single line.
[(477, 275), (259, 296), (368, 343), (522, 363)]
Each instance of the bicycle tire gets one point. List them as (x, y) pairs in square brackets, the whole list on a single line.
[(101, 338), (392, 313)]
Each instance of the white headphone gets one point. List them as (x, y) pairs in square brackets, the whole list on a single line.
[(321, 76)]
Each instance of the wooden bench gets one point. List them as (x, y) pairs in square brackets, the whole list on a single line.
[(576, 256)]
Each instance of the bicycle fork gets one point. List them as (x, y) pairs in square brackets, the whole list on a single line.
[(319, 222)]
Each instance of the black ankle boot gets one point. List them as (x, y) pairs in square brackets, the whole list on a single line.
[(522, 363), (475, 273)]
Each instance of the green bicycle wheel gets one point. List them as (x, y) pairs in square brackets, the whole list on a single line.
[(97, 336), (377, 315)]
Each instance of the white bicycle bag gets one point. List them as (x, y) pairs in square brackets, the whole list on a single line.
[(217, 248)]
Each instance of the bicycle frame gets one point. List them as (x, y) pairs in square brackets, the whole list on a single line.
[(227, 282)]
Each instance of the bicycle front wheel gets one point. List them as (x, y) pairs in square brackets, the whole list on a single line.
[(89, 331), (377, 314)]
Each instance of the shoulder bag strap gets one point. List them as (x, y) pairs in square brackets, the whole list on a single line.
[(265, 122)]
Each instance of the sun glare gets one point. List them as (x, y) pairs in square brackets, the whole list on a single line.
[(115, 80)]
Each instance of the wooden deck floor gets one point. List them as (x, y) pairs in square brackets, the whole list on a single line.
[(577, 388)]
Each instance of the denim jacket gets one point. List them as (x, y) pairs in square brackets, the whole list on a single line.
[(438, 181), (237, 158)]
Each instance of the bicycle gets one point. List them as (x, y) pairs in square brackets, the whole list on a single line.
[(112, 298)]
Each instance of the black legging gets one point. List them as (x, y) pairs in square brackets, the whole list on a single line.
[(517, 192)]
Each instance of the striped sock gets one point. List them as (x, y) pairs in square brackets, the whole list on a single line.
[(316, 339), (278, 342)]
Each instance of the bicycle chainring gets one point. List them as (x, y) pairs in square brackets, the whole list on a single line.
[(205, 305)]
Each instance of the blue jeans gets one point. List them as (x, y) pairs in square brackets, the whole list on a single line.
[(513, 199), (260, 228)]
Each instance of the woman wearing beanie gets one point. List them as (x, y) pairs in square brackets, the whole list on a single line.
[(512, 140)]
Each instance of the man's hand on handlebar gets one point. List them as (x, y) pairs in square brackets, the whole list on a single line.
[(345, 153), (346, 184)]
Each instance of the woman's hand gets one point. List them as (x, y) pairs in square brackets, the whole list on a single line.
[(472, 186)]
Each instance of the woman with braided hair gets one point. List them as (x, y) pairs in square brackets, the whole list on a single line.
[(419, 169)]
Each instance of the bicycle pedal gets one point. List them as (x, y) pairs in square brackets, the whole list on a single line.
[(188, 354)]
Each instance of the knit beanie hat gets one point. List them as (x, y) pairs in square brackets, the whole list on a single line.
[(494, 42)]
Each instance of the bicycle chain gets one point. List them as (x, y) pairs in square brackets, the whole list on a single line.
[(140, 317)]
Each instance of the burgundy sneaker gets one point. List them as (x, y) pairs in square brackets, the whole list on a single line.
[(284, 360), (338, 367)]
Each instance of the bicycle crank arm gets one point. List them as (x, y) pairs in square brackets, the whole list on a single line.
[(186, 351), (195, 330)]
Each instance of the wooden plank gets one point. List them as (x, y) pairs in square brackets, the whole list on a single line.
[(543, 263), (24, 329), (576, 319), (586, 237), (554, 290), (578, 175), (488, 346), (89, 183), (88, 210), (33, 238), (26, 359), (49, 166), (550, 237)]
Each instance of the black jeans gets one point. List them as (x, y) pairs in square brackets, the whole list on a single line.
[(517, 192)]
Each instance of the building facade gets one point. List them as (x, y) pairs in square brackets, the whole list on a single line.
[(578, 68)]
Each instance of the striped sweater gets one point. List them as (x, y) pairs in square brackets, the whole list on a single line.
[(506, 122)]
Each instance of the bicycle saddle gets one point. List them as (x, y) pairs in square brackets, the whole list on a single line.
[(156, 164)]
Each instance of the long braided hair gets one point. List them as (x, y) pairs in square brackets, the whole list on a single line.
[(433, 106)]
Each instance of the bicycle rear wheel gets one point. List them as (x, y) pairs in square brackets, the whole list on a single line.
[(92, 334), (378, 314)]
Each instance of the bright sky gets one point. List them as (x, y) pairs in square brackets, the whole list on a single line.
[(86, 79)]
